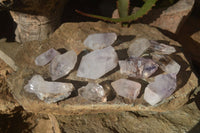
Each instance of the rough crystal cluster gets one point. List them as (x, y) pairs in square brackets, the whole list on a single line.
[(46, 57), (97, 63), (138, 67), (163, 86), (93, 92), (127, 88), (138, 47), (100, 40), (61, 65), (48, 91)]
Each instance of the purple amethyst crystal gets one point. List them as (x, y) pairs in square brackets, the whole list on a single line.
[(46, 57), (138, 67), (127, 88), (162, 87)]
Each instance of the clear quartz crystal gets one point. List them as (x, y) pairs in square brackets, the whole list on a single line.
[(61, 65), (166, 63), (93, 92), (46, 57), (100, 40), (162, 87), (127, 88), (138, 47), (161, 48), (97, 63), (48, 91), (138, 67)]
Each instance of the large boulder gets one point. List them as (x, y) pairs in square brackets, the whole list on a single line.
[(70, 36)]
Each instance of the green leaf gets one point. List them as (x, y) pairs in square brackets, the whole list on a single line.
[(142, 11), (123, 8)]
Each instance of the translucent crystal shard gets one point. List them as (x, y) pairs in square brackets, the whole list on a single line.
[(127, 88), (161, 48), (93, 92), (48, 91), (97, 63), (138, 47), (166, 63), (100, 40), (46, 57), (138, 67), (61, 65), (162, 87)]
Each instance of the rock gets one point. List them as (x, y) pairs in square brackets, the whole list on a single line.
[(61, 65), (46, 57), (127, 88), (97, 63), (71, 36), (35, 20), (8, 60), (93, 92), (172, 18), (138, 47), (196, 36), (48, 91), (161, 48), (138, 67), (100, 40), (167, 64), (161, 88)]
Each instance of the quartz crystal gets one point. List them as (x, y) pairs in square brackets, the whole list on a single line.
[(48, 91), (61, 65), (100, 40), (97, 63), (162, 87), (166, 64), (46, 57), (138, 47), (93, 92), (138, 67), (127, 88), (161, 48)]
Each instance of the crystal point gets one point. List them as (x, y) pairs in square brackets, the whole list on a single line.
[(61, 65), (163, 86), (138, 47), (138, 67), (161, 48), (100, 40), (93, 92), (48, 91), (127, 88), (46, 57), (166, 64), (97, 63)]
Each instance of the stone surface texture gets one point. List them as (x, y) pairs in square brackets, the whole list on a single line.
[(161, 88), (61, 65), (97, 63), (127, 88), (71, 36), (138, 47), (172, 18), (100, 40), (93, 92), (48, 91), (46, 57), (138, 67)]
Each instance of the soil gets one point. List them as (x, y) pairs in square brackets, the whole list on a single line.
[(14, 119)]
